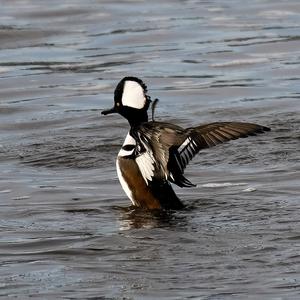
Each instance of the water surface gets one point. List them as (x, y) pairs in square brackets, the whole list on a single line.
[(67, 229)]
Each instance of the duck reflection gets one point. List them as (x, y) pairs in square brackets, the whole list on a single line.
[(133, 218)]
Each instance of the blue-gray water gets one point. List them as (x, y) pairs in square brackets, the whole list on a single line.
[(67, 230)]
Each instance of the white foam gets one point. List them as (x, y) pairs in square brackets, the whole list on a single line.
[(5, 191), (215, 9), (223, 184), (249, 189), (238, 62), (4, 69), (275, 14), (88, 87), (21, 198)]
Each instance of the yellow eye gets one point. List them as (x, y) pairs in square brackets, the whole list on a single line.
[(118, 104)]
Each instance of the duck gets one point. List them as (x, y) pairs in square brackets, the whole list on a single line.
[(154, 154)]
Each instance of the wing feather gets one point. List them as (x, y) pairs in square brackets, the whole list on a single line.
[(209, 135), (170, 148), (145, 163)]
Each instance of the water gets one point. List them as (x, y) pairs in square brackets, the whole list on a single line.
[(67, 230)]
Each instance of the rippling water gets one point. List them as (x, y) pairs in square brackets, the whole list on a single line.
[(66, 227)]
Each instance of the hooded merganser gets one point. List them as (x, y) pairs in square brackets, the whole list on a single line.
[(155, 154)]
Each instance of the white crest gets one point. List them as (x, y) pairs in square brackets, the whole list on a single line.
[(133, 95)]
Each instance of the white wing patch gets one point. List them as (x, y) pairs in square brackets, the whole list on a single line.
[(184, 144), (146, 164), (133, 95), (187, 150)]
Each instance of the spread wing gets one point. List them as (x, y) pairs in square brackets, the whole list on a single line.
[(169, 148)]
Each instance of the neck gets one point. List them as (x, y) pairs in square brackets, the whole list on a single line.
[(138, 119)]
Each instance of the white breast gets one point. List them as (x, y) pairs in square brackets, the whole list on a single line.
[(145, 162), (129, 140)]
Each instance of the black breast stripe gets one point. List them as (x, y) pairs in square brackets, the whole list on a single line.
[(128, 147)]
